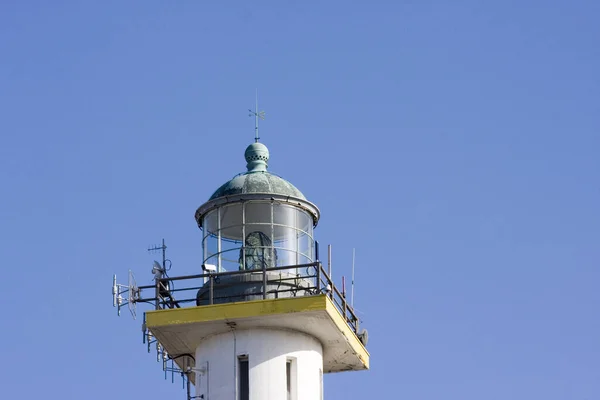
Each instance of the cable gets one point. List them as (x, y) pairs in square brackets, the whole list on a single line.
[(182, 355)]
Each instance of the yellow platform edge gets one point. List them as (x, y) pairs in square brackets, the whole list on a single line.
[(227, 311), (257, 308), (341, 324)]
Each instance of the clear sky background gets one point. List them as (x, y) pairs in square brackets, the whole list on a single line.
[(454, 144)]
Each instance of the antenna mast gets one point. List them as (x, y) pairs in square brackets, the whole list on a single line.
[(164, 253), (257, 115)]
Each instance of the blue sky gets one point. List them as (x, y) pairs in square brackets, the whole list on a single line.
[(455, 145)]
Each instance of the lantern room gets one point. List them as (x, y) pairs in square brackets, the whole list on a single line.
[(257, 221)]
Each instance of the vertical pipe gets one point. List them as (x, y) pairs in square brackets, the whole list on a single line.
[(318, 283), (189, 392), (144, 329), (329, 260), (317, 261), (157, 294), (264, 272), (352, 283), (115, 290), (330, 283), (164, 254), (204, 246), (256, 137), (219, 238), (344, 296), (210, 288), (243, 236), (298, 234)]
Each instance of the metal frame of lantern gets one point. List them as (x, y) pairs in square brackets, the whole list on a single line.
[(221, 238)]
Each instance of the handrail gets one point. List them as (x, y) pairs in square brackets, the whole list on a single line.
[(318, 282)]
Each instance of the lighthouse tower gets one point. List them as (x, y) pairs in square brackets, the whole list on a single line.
[(264, 320)]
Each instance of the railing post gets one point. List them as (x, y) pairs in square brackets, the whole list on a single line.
[(329, 260), (264, 271), (318, 284), (329, 278), (157, 294), (211, 288), (344, 306)]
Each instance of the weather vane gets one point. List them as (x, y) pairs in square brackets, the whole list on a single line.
[(257, 114)]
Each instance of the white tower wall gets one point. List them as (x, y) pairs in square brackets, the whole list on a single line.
[(268, 351)]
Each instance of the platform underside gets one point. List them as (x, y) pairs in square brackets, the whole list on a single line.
[(181, 330)]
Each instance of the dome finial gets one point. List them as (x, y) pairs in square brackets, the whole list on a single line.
[(257, 115), (257, 157)]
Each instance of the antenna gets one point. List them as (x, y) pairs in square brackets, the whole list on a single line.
[(133, 294), (160, 272), (163, 247), (257, 114), (131, 289), (352, 289), (130, 294)]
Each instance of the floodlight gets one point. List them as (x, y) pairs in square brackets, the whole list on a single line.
[(209, 268)]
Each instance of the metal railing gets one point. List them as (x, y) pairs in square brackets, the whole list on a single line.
[(245, 285)]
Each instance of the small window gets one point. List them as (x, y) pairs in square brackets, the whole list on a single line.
[(290, 375), (244, 378)]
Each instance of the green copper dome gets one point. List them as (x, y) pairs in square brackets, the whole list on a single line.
[(257, 179)]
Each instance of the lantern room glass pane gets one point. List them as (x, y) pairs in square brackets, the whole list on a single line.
[(286, 245), (284, 215), (232, 233), (305, 246), (230, 260), (285, 237), (231, 215), (304, 221), (302, 259), (227, 245), (210, 223), (258, 212), (262, 228), (231, 222), (286, 257), (210, 246)]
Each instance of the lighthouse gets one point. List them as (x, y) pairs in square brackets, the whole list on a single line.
[(263, 319)]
